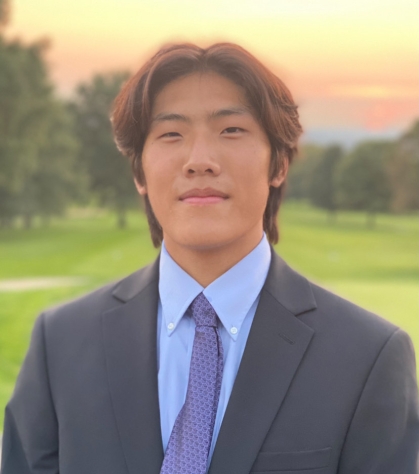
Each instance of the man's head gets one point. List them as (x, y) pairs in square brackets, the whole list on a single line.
[(178, 121)]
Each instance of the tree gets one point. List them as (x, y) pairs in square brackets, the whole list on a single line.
[(299, 176), (109, 173), (322, 188), (24, 100), (37, 145), (57, 179), (362, 179), (404, 171)]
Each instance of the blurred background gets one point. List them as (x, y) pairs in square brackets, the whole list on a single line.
[(70, 219)]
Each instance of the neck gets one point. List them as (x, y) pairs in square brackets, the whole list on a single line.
[(207, 264)]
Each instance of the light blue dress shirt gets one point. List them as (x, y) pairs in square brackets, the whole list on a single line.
[(234, 296)]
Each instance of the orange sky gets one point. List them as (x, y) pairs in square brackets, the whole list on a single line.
[(349, 63)]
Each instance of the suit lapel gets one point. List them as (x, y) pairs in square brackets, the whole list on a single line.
[(275, 347), (130, 338)]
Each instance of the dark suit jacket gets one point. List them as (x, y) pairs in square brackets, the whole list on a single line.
[(323, 387)]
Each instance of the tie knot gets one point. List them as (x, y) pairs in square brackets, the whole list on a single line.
[(202, 312)]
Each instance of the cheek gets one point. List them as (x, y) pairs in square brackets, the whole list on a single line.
[(254, 190), (256, 155), (156, 169), (253, 170), (160, 176)]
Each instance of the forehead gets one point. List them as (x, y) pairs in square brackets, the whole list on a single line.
[(199, 91)]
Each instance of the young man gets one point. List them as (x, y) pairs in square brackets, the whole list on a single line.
[(217, 357)]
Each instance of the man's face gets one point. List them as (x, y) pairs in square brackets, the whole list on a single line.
[(206, 164)]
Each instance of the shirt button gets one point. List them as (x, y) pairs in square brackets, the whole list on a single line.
[(233, 330), (170, 326)]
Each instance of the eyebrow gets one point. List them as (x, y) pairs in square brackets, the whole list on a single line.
[(239, 110), (165, 117)]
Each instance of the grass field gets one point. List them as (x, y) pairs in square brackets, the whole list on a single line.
[(376, 268)]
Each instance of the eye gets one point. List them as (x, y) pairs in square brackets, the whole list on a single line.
[(170, 135), (230, 130)]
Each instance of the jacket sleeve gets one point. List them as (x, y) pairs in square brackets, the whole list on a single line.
[(30, 438), (383, 437)]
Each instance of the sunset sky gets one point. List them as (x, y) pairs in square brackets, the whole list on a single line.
[(351, 64)]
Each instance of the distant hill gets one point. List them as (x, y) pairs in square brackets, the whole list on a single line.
[(347, 138)]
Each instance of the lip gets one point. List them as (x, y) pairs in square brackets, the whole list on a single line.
[(203, 196)]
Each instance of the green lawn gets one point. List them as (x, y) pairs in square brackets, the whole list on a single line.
[(376, 268)]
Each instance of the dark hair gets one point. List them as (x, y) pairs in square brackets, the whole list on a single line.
[(268, 96)]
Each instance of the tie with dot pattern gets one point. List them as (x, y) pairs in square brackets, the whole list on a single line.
[(190, 440)]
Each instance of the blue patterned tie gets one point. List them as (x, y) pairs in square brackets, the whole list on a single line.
[(190, 440)]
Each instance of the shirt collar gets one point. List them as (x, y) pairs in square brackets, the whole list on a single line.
[(231, 295)]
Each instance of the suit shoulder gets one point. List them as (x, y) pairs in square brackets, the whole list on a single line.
[(102, 299), (94, 301), (328, 300), (348, 318), (353, 337), (324, 311)]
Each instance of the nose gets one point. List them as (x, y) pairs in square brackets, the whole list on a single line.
[(202, 158)]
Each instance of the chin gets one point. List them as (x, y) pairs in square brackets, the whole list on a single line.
[(202, 239)]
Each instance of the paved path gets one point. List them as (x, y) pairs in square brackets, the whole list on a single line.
[(40, 283)]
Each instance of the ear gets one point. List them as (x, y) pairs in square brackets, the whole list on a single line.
[(280, 177), (142, 189)]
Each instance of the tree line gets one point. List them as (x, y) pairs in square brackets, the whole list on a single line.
[(56, 153), (375, 176)]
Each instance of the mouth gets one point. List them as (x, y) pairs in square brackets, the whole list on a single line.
[(203, 196)]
